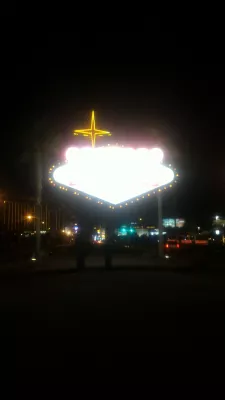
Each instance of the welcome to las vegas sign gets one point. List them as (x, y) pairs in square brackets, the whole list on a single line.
[(112, 174)]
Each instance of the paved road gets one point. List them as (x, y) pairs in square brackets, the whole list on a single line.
[(49, 320)]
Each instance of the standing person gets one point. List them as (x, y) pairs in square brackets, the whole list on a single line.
[(82, 248)]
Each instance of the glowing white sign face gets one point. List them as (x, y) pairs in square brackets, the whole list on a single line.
[(113, 174)]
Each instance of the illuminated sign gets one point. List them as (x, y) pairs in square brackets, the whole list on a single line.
[(169, 222), (172, 222), (113, 174), (180, 222)]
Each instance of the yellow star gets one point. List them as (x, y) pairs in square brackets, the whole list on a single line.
[(92, 131)]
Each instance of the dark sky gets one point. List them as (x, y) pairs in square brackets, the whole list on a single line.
[(145, 88)]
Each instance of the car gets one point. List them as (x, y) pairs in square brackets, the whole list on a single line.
[(172, 244)]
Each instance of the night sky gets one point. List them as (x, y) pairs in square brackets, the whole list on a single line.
[(145, 89)]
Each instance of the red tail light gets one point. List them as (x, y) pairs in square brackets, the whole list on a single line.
[(178, 245), (167, 246)]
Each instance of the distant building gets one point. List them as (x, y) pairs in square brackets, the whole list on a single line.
[(21, 215)]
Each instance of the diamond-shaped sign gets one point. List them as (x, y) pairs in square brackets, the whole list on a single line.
[(113, 174)]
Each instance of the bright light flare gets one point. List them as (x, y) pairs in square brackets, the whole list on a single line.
[(156, 155), (113, 174)]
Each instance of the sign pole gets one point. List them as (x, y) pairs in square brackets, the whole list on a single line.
[(38, 202), (160, 225)]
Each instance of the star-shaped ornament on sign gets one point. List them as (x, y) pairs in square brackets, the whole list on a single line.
[(92, 132)]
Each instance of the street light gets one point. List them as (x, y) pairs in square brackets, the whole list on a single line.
[(30, 217)]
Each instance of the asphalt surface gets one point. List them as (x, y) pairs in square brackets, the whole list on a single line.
[(50, 321)]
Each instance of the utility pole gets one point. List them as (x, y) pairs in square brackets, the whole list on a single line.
[(38, 202), (160, 225)]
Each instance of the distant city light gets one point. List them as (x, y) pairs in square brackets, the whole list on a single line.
[(217, 217), (99, 236), (113, 174), (217, 231)]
